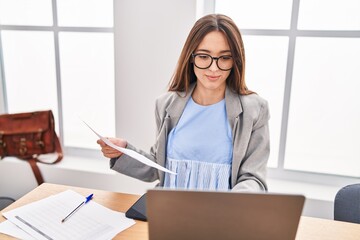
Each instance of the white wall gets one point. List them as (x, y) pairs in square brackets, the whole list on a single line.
[(149, 36)]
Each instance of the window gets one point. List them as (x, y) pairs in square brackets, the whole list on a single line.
[(302, 56), (59, 55)]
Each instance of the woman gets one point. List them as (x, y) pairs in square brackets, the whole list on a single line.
[(212, 130)]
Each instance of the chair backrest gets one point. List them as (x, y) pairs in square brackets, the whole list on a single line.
[(5, 201), (347, 204)]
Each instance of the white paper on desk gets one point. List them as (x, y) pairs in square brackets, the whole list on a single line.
[(42, 219), (11, 229), (132, 153)]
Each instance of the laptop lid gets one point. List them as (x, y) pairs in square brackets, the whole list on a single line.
[(184, 214)]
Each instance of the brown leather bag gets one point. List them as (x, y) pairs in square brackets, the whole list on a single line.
[(27, 135)]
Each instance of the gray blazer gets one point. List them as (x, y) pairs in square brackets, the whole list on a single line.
[(248, 116)]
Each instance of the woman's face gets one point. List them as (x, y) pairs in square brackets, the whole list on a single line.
[(216, 45)]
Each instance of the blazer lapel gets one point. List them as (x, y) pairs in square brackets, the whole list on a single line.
[(173, 114), (233, 106), (177, 106), (233, 110)]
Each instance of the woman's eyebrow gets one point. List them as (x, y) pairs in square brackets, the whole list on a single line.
[(208, 51)]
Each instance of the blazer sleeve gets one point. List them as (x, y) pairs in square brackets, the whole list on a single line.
[(133, 168), (253, 168)]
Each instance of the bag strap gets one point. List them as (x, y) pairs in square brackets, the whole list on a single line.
[(35, 168), (58, 150)]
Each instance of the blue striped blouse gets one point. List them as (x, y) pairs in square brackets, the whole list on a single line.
[(199, 149)]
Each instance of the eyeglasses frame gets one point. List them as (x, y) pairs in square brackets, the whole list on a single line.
[(212, 60)]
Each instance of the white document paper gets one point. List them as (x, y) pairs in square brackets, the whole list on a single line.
[(132, 153), (42, 219), (11, 229)]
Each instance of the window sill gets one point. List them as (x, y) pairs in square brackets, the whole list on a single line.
[(309, 190), (16, 176)]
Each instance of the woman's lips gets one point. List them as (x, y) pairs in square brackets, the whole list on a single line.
[(212, 78)]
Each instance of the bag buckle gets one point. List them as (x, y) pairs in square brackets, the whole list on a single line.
[(23, 148), (40, 144), (38, 141)]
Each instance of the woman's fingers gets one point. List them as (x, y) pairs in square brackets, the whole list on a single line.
[(110, 152), (101, 143)]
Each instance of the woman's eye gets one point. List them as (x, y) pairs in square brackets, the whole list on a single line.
[(203, 56), (226, 57)]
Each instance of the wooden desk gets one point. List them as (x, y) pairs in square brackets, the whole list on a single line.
[(309, 228), (115, 201)]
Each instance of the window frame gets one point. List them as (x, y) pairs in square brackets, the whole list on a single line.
[(55, 29)]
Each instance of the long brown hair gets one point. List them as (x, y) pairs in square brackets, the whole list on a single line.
[(184, 73)]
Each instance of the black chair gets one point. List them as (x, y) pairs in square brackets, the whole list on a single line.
[(5, 201), (347, 204)]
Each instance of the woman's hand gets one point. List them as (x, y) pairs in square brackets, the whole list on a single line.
[(110, 152)]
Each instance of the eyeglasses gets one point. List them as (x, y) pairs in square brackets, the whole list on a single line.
[(204, 61)]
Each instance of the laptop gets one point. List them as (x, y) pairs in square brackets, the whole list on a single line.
[(186, 214)]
